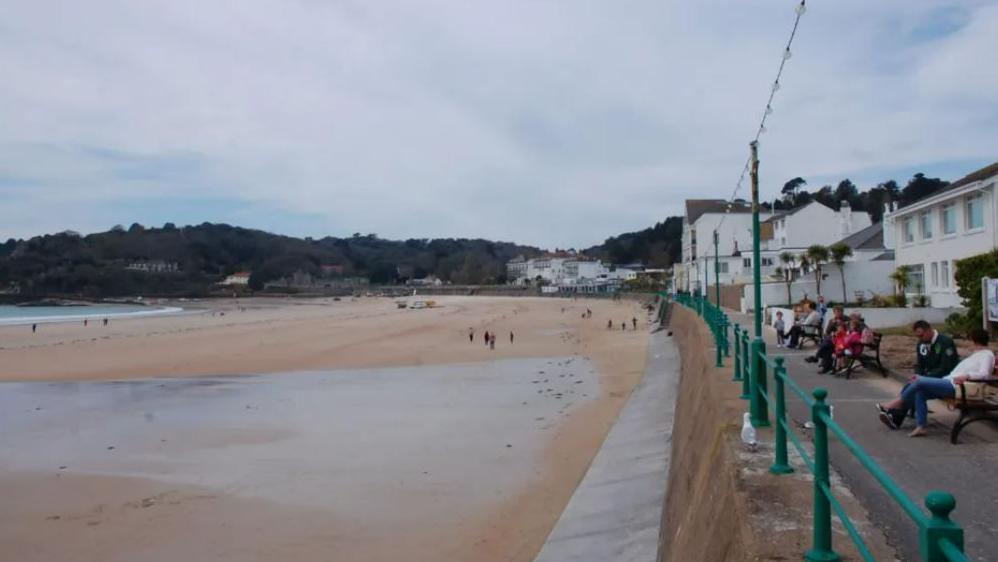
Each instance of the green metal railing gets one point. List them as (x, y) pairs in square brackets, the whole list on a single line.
[(940, 538)]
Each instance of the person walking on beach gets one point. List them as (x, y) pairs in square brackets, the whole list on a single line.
[(623, 326), (511, 336), (471, 335), (34, 328), (634, 321), (105, 321), (486, 338), (589, 313), (492, 342), (84, 322), (609, 324)]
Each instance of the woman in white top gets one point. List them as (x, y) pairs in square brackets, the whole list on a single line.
[(979, 365)]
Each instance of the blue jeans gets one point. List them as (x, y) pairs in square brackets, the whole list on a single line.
[(916, 394)]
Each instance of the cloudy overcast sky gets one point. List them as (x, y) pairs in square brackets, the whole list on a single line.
[(555, 123)]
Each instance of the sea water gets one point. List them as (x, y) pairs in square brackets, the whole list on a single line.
[(10, 314)]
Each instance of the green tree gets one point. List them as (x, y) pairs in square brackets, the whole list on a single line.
[(838, 253), (786, 272), (901, 277), (790, 190), (818, 257), (968, 274)]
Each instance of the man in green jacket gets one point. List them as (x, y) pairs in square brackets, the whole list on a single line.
[(936, 353)]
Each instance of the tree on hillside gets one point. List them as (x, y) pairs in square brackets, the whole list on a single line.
[(790, 190), (818, 257), (920, 186), (838, 253)]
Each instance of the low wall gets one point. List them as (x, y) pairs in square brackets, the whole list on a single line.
[(877, 318), (870, 277), (702, 520)]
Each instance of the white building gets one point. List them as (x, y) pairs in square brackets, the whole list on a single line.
[(241, 278), (573, 273), (733, 223), (812, 224), (932, 233)]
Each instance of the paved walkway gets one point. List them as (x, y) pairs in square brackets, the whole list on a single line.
[(616, 511), (968, 470)]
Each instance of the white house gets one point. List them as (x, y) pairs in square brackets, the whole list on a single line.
[(733, 223), (932, 233), (240, 278), (812, 224)]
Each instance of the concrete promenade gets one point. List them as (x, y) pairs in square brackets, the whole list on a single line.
[(616, 511), (968, 470)]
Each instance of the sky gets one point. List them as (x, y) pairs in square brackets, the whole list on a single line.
[(550, 123)]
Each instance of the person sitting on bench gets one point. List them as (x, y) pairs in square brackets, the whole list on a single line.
[(922, 388), (825, 347), (936, 353), (812, 321)]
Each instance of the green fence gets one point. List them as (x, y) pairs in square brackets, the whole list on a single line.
[(940, 538)]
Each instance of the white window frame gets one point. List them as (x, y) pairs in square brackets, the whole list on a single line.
[(908, 230), (944, 273), (971, 199), (722, 267), (935, 274), (925, 225), (951, 209)]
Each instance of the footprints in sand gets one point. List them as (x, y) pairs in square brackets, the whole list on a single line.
[(102, 513)]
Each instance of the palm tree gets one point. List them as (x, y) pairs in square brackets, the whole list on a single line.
[(901, 278), (838, 253), (786, 272), (818, 255)]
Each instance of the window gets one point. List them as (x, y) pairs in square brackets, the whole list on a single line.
[(925, 225), (944, 273), (916, 279), (935, 274), (722, 267), (974, 208), (948, 219), (908, 230), (767, 262), (746, 262)]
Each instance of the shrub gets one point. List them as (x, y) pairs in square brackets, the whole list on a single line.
[(968, 280), (959, 325)]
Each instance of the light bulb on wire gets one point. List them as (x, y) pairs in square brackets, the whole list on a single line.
[(776, 86), (769, 110), (787, 54), (801, 8)]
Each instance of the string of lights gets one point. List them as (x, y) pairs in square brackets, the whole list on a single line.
[(787, 54)]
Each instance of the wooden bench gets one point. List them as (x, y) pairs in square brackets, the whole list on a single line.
[(869, 358), (973, 410)]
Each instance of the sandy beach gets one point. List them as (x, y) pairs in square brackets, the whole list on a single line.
[(83, 506)]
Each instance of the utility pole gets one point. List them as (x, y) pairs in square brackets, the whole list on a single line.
[(717, 275), (758, 406)]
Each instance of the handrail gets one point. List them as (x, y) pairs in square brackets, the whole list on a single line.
[(895, 491), (940, 538)]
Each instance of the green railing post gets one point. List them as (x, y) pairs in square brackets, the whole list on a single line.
[(821, 547), (781, 464), (758, 406), (738, 353), (939, 527), (718, 352), (724, 335), (746, 368)]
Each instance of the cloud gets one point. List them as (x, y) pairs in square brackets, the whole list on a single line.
[(550, 123)]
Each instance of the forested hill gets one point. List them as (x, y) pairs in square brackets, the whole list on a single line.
[(98, 264), (658, 246)]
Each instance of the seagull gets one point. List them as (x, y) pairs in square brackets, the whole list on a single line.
[(748, 433)]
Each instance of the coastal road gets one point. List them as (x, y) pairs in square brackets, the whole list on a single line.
[(966, 470)]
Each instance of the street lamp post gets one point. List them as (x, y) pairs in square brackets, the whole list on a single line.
[(717, 275)]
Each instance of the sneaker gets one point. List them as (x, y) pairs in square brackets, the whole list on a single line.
[(888, 420), (811, 359)]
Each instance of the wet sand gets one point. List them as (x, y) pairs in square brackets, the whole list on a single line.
[(363, 457)]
